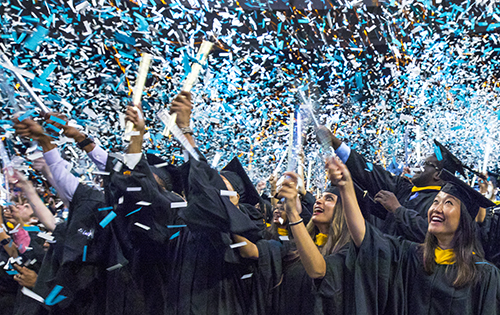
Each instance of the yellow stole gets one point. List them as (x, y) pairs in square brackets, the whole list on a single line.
[(321, 239), (444, 256), (282, 232), (416, 189)]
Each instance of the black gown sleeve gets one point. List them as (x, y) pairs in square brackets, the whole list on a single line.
[(335, 291), (307, 207), (266, 278), (379, 267), (410, 224), (208, 209), (373, 178)]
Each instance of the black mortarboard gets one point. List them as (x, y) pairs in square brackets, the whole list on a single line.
[(168, 173), (471, 198), (236, 175), (449, 161), (333, 190)]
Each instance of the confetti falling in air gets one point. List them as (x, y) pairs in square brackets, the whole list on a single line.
[(374, 72)]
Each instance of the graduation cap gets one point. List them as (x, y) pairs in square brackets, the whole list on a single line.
[(471, 198), (450, 162), (333, 190), (236, 175), (168, 173)]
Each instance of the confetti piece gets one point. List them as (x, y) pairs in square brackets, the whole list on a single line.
[(31, 228), (134, 188), (174, 205), (53, 298), (114, 267), (228, 193), (143, 203), (58, 120), (12, 272), (84, 258), (236, 245), (284, 238), (105, 209), (35, 38), (175, 235), (45, 236), (107, 219), (101, 173), (32, 295), (247, 276), (437, 151), (134, 212), (176, 226), (142, 226)]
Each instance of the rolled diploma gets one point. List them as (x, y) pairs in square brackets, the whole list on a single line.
[(187, 86), (139, 86)]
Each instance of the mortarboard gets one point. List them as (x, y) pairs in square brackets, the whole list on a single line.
[(236, 175), (168, 173), (450, 161), (471, 198)]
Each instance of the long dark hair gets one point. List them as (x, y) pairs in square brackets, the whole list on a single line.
[(466, 249), (338, 233)]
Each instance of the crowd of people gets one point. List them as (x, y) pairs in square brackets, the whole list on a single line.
[(160, 239)]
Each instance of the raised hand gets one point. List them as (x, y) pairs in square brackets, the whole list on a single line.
[(68, 131), (338, 173), (136, 116), (29, 128), (388, 200), (288, 190), (183, 107)]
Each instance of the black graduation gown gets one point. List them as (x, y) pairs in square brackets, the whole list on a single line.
[(390, 278), (89, 288), (205, 276), (335, 291), (307, 203), (280, 282), (489, 234), (409, 220), (143, 235), (9, 288)]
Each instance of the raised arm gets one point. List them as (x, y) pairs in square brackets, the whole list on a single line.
[(183, 107), (370, 177), (311, 258), (39, 208), (95, 152), (64, 181), (339, 176)]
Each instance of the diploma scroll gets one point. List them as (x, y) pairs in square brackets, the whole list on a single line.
[(139, 87)]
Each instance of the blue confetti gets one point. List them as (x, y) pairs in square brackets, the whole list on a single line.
[(134, 211), (175, 235), (53, 298), (107, 219)]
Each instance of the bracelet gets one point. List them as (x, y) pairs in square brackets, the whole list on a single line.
[(85, 142), (5, 241), (295, 223), (187, 130)]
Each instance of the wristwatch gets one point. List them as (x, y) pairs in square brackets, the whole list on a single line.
[(5, 241), (85, 142), (187, 130)]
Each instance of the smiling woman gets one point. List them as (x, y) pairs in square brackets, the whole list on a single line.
[(445, 275)]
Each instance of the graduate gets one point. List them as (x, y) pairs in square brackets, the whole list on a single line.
[(86, 262), (285, 268), (207, 275), (405, 202), (444, 275)]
